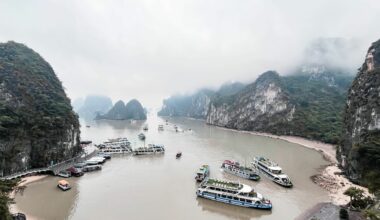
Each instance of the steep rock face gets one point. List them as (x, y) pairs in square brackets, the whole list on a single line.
[(360, 153), (120, 111), (194, 106), (37, 124), (260, 106), (134, 110)]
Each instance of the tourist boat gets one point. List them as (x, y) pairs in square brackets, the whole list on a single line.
[(91, 168), (63, 185), (203, 173), (77, 172), (64, 174), (151, 149), (95, 160), (141, 136), (115, 146), (178, 155), (106, 155), (235, 168), (271, 170), (80, 165), (160, 127), (232, 193)]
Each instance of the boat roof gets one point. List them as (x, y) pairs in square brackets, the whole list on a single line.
[(63, 182), (283, 176), (224, 184), (275, 168)]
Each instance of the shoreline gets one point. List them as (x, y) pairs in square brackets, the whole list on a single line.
[(13, 208), (329, 177)]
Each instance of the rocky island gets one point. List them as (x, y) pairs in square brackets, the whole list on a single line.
[(133, 110)]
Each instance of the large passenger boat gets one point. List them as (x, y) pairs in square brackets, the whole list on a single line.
[(116, 146), (203, 173), (271, 170), (151, 149), (235, 168), (232, 193)]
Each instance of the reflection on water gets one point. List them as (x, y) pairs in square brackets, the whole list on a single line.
[(235, 212), (162, 187)]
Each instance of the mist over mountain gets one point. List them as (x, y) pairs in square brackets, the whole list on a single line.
[(92, 105)]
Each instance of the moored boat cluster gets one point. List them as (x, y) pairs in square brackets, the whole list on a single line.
[(236, 193)]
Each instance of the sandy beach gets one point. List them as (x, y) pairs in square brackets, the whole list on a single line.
[(24, 182)]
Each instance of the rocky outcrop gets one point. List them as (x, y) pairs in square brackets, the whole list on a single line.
[(37, 124), (132, 110), (92, 105), (360, 152), (260, 106), (193, 106)]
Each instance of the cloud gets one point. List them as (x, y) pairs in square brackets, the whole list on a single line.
[(150, 49)]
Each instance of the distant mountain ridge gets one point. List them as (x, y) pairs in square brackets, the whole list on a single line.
[(307, 104), (132, 110)]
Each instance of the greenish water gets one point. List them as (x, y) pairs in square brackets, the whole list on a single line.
[(162, 187)]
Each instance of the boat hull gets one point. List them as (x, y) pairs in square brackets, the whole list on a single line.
[(242, 175), (215, 197)]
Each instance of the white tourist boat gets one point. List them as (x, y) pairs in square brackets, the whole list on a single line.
[(271, 170), (115, 146), (151, 149), (95, 160), (232, 193), (233, 167)]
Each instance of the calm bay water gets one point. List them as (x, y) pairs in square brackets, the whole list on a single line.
[(162, 187)]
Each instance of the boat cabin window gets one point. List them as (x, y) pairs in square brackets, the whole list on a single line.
[(276, 171), (229, 197)]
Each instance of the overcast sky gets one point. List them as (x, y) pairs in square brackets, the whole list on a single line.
[(150, 49)]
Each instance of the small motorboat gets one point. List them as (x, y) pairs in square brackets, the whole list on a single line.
[(63, 185), (141, 136), (178, 155)]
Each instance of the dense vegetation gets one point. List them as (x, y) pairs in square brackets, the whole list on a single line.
[(5, 188), (37, 124), (319, 106)]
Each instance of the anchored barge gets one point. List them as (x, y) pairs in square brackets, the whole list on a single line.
[(203, 173), (271, 170), (232, 193), (235, 168), (151, 149)]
